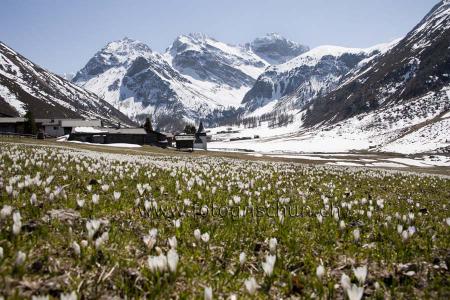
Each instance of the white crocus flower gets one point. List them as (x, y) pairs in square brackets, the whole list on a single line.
[(149, 241), (197, 234), (117, 195), (205, 237), (355, 292), (40, 297), (208, 295), (242, 258), (356, 235), (33, 199), (251, 285), (76, 248), (101, 240), (80, 203), (172, 260), (177, 223), (360, 274), (345, 281), (95, 198), (6, 211), (9, 190), (320, 218), (92, 227), (273, 245), (20, 258), (411, 231), (320, 271), (157, 263), (17, 223), (71, 296), (269, 264), (173, 242), (405, 235)]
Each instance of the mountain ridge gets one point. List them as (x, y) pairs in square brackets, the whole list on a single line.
[(27, 86)]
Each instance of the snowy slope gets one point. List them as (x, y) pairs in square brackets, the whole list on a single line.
[(397, 100), (205, 58), (293, 84), (138, 81), (218, 70), (420, 125), (416, 65), (26, 86)]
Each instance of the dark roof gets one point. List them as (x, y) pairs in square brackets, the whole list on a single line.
[(185, 137), (12, 120), (125, 130)]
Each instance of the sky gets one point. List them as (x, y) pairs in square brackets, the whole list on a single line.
[(62, 36)]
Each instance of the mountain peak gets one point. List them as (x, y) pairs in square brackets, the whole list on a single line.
[(126, 45), (276, 49), (198, 35), (271, 36)]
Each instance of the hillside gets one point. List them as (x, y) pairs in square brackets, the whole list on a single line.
[(26, 86)]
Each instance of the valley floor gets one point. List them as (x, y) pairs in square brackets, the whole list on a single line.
[(420, 163), (88, 221)]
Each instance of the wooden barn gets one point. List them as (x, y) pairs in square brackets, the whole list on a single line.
[(185, 141), (118, 135), (192, 141)]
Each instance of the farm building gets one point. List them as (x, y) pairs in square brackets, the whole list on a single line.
[(100, 135), (192, 141), (60, 127), (185, 141), (50, 127), (12, 125)]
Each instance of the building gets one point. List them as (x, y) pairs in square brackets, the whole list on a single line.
[(60, 127), (192, 141), (184, 141), (100, 135), (201, 138), (50, 127), (170, 138), (12, 125)]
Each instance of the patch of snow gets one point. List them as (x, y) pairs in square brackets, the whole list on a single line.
[(12, 100), (116, 145), (88, 130)]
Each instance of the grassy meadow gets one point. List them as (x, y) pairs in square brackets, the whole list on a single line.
[(82, 224)]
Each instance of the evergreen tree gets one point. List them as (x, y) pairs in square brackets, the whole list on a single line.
[(148, 124), (189, 129), (30, 123)]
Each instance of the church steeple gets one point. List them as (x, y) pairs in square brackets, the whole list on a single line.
[(201, 129)]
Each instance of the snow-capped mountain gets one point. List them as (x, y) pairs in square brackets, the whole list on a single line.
[(196, 77), (26, 86), (138, 82), (397, 100), (415, 66), (68, 76), (206, 59), (293, 84), (276, 49)]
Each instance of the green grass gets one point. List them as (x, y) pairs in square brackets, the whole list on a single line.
[(120, 268)]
